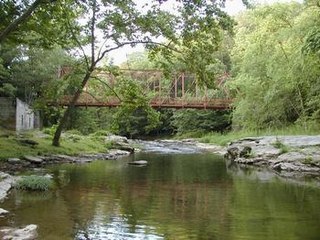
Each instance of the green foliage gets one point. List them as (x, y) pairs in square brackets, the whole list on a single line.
[(8, 89), (34, 183), (191, 120), (50, 130), (274, 81), (45, 26), (135, 116)]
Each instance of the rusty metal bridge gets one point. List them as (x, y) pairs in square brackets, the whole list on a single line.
[(179, 91)]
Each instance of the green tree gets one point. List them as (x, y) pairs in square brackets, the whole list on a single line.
[(122, 23), (273, 79)]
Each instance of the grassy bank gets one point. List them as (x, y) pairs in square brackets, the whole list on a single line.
[(12, 145), (224, 139)]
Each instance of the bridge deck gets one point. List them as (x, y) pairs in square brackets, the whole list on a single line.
[(218, 104)]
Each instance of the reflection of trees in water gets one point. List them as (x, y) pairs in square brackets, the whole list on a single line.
[(175, 196)]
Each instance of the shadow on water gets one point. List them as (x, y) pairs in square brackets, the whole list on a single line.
[(176, 196)]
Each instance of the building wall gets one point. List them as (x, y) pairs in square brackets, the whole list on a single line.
[(24, 116), (7, 113)]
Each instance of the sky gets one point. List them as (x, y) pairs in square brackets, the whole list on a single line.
[(232, 7)]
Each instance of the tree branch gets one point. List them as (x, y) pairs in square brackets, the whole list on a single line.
[(12, 26), (106, 84), (135, 42), (92, 29), (78, 43)]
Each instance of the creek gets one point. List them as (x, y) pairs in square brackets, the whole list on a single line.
[(182, 193)]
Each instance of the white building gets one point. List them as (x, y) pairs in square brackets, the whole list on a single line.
[(17, 115)]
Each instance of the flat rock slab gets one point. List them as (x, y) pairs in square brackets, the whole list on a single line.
[(14, 160), (6, 182), (32, 159), (303, 153), (27, 233), (139, 162)]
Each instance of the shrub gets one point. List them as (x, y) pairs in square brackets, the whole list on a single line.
[(34, 183), (280, 145), (50, 130), (100, 133)]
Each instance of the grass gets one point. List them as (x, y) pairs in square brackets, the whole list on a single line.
[(71, 144), (280, 145), (34, 183)]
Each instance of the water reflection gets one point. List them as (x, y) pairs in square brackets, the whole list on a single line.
[(175, 196)]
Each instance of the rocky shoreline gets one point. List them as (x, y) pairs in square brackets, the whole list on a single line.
[(287, 155), (15, 165)]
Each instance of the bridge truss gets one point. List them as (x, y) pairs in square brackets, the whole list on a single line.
[(178, 91)]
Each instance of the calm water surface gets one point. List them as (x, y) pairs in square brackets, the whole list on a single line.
[(177, 196)]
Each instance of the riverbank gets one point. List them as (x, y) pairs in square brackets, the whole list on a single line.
[(32, 150), (291, 156), (286, 156)]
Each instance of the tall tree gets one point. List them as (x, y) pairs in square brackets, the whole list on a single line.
[(123, 23), (273, 80)]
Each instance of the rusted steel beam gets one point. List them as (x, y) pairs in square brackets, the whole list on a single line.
[(218, 104)]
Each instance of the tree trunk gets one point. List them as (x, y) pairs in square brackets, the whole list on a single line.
[(63, 121), (12, 26)]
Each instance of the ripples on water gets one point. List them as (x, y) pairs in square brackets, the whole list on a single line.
[(176, 196)]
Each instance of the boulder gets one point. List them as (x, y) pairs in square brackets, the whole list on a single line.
[(27, 233), (246, 152), (123, 147), (232, 153), (6, 183), (3, 212)]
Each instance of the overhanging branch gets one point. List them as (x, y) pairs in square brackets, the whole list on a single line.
[(104, 83), (12, 26), (134, 43)]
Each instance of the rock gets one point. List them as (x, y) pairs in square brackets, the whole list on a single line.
[(3, 212), (64, 158), (123, 147), (139, 162), (285, 166), (115, 138), (232, 153), (14, 160), (27, 233), (291, 157), (116, 152), (246, 152), (6, 183), (28, 142), (35, 160)]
